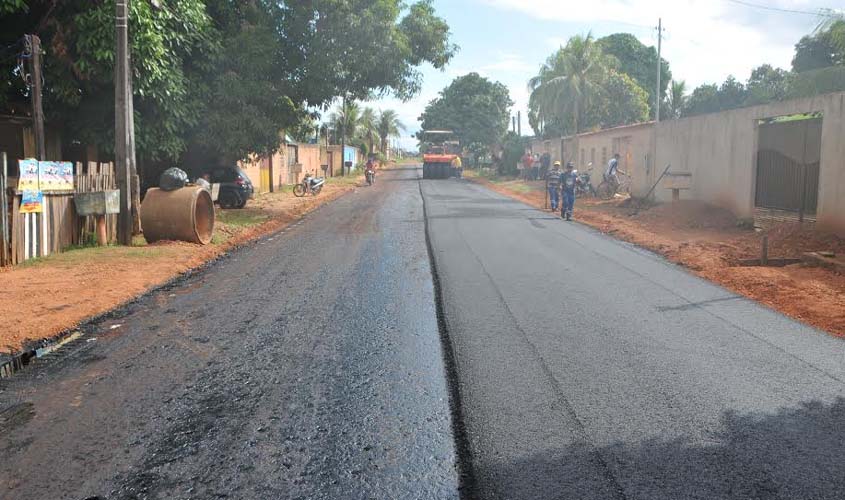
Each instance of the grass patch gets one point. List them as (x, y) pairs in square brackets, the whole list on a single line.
[(241, 218), (80, 254)]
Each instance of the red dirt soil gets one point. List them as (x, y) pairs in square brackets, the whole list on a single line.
[(707, 241), (45, 297)]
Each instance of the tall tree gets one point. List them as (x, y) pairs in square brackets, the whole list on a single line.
[(620, 101), (677, 98), (475, 108), (825, 47), (638, 61), (388, 126), (568, 83), (368, 128), (766, 84)]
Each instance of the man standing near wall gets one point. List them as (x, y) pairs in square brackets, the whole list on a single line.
[(553, 186)]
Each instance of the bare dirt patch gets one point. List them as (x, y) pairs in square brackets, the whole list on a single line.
[(708, 241), (44, 297)]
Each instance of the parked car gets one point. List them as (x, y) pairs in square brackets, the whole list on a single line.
[(235, 187)]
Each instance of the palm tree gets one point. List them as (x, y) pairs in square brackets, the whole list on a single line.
[(677, 99), (388, 126), (569, 81), (346, 118), (368, 128)]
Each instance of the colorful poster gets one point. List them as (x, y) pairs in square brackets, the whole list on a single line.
[(65, 176), (48, 175), (28, 175), (32, 202)]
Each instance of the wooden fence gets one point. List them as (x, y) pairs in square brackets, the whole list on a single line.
[(57, 227)]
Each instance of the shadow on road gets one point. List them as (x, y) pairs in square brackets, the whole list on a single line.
[(795, 453)]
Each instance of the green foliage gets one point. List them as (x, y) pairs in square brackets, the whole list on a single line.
[(825, 47), (639, 62), (620, 101), (513, 147), (388, 126), (677, 99), (766, 84), (578, 88), (710, 98), (220, 77), (475, 108)]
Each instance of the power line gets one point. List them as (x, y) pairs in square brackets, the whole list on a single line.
[(817, 13)]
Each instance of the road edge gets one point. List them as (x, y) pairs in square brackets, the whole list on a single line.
[(10, 364)]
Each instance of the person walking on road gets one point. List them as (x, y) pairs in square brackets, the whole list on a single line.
[(568, 181), (458, 167), (553, 184)]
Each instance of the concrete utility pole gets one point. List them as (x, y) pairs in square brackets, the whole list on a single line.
[(657, 94), (519, 123), (35, 89), (124, 131), (345, 116)]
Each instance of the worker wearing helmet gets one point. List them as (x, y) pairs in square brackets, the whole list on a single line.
[(553, 185), (568, 181)]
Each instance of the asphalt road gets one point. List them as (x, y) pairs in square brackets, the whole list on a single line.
[(309, 365), (591, 369), (305, 366)]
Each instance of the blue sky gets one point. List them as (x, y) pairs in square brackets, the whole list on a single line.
[(705, 41)]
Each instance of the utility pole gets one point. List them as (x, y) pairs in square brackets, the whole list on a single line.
[(124, 133), (657, 94), (519, 123), (513, 124), (34, 43), (343, 136)]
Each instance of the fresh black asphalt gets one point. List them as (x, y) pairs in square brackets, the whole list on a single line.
[(311, 364), (591, 369)]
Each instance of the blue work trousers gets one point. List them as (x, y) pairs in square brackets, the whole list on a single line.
[(553, 197), (568, 203)]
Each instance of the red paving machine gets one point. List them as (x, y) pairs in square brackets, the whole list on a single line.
[(439, 150)]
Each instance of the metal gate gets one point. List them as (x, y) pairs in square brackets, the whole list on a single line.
[(787, 184)]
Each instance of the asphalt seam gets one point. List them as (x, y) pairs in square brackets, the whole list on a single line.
[(466, 477), (556, 385)]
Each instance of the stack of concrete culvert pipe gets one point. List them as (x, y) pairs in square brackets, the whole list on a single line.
[(186, 214)]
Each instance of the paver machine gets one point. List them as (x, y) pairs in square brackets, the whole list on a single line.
[(439, 150)]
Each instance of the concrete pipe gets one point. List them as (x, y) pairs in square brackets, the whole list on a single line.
[(186, 214)]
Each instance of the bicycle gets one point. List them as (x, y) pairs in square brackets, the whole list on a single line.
[(610, 188)]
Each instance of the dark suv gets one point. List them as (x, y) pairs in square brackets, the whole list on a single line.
[(235, 186)]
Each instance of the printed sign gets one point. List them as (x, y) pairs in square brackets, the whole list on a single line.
[(32, 202), (65, 181), (48, 175), (28, 176)]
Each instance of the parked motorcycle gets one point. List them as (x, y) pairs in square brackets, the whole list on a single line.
[(370, 173), (309, 184), (584, 187)]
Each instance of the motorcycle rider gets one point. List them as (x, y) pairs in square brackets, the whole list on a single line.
[(370, 170), (610, 173), (568, 181), (553, 183)]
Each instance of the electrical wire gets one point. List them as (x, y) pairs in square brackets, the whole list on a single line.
[(818, 13)]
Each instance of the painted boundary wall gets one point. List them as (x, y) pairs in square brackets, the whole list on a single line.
[(720, 151)]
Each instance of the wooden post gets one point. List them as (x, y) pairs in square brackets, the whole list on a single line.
[(5, 251), (102, 234), (124, 150), (764, 251), (35, 88)]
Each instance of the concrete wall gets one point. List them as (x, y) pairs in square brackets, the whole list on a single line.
[(720, 151), (632, 142)]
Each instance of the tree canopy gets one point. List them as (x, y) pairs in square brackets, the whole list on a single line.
[(579, 88), (638, 61), (220, 76), (475, 108)]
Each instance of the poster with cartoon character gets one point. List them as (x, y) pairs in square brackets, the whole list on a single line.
[(48, 175), (28, 175), (32, 202), (65, 176)]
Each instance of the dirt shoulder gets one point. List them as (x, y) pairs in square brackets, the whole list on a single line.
[(707, 241), (44, 297)]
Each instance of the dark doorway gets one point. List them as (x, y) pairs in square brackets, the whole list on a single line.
[(788, 159)]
